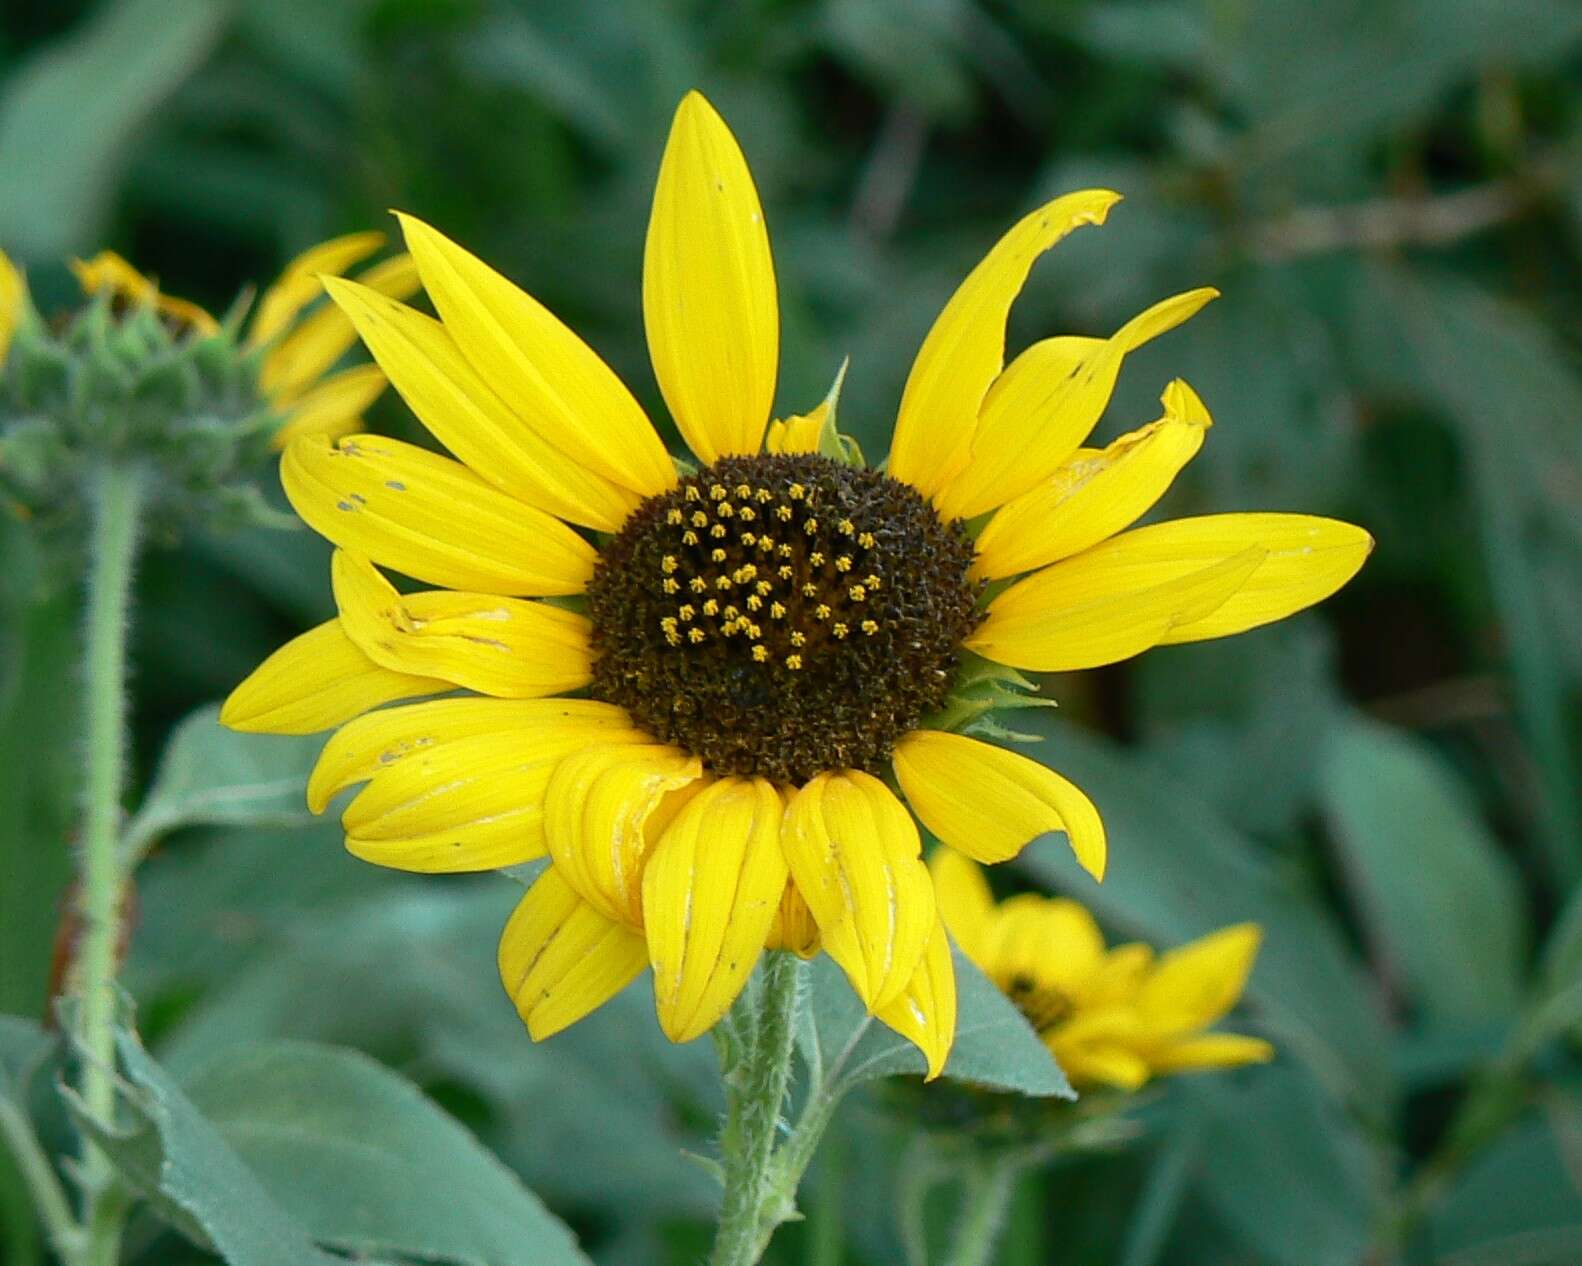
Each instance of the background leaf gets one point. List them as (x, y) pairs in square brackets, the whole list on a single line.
[(1440, 901)]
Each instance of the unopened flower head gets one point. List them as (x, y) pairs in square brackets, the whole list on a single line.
[(139, 376), (719, 698), (1112, 1017)]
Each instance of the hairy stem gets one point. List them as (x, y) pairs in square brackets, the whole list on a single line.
[(988, 1196), (755, 1092), (117, 499)]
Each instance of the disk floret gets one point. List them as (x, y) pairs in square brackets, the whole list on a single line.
[(782, 614)]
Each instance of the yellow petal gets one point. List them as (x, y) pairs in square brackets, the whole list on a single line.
[(464, 413), (361, 748), (1118, 980), (1211, 1050), (475, 803), (299, 283), (503, 647), (799, 433), (711, 892), (108, 271), (430, 518), (709, 301), (1092, 496), (550, 377), (333, 408), (989, 802), (13, 299), (1045, 404), (1197, 983), (1306, 559), (961, 893), (560, 958), (306, 354), (1113, 1066), (925, 1013), (854, 852), (1045, 943), (794, 927), (317, 681), (599, 801), (965, 349), (1074, 614)]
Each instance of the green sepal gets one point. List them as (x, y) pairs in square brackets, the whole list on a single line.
[(981, 688)]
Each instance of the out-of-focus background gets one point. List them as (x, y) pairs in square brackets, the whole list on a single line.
[(1389, 194)]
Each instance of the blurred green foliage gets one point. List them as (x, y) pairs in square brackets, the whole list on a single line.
[(1387, 193)]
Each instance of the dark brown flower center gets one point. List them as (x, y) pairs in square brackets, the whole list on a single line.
[(782, 615), (1044, 1007)]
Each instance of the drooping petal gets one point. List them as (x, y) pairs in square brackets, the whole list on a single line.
[(300, 282), (380, 740), (333, 408), (855, 854), (466, 415), (989, 803), (965, 350), (965, 904), (1094, 495), (504, 647), (307, 353), (711, 891), (316, 681), (1073, 615), (560, 958), (709, 302), (1197, 983), (552, 379), (1210, 1050), (925, 1013), (430, 518), (475, 803), (1046, 403), (13, 300), (598, 803)]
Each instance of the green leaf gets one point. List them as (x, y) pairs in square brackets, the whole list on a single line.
[(183, 1165), (1290, 1171), (213, 776), (1178, 870), (994, 1045), (68, 118), (1439, 899), (370, 1165)]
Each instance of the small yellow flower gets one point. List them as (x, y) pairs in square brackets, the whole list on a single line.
[(704, 796), (1111, 1017), (299, 347)]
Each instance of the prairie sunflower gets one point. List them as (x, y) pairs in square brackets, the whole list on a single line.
[(1111, 1017), (298, 347), (759, 643)]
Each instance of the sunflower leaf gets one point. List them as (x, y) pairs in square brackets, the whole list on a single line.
[(994, 1046)]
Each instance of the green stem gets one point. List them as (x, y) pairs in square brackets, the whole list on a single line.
[(117, 495), (755, 1092), (989, 1187), (49, 1198)]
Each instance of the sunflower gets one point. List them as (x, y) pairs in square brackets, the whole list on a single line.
[(759, 646), (1111, 1017), (298, 347)]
